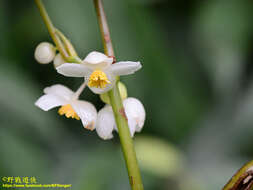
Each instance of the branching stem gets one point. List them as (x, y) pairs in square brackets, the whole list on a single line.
[(118, 109), (64, 47)]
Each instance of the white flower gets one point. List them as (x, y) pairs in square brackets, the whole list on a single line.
[(135, 113), (98, 70), (59, 95), (105, 123), (58, 60), (44, 53)]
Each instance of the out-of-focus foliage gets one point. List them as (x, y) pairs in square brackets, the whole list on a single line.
[(196, 86), (164, 160)]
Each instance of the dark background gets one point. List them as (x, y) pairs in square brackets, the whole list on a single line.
[(196, 85)]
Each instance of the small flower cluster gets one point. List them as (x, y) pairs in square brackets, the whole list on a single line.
[(99, 72)]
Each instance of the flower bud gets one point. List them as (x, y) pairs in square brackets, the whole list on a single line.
[(123, 93), (58, 60), (44, 53), (122, 90)]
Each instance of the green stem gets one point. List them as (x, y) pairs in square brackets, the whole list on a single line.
[(53, 33), (51, 29), (70, 49), (119, 113)]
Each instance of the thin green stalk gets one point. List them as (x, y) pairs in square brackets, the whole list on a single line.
[(62, 43), (51, 29), (118, 109), (71, 50)]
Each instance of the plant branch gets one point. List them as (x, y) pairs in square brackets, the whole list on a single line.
[(51, 29), (118, 109), (67, 53), (104, 29)]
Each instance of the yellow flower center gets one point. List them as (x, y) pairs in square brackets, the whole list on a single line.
[(68, 111), (98, 79)]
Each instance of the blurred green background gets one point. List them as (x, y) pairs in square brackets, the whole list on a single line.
[(196, 85)]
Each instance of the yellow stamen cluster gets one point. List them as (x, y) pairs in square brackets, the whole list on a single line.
[(98, 79), (68, 111)]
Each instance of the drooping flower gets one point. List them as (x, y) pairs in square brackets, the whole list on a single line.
[(71, 106), (44, 53), (135, 114), (99, 71)]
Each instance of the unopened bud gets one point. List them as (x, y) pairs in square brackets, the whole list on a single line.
[(44, 53), (58, 60)]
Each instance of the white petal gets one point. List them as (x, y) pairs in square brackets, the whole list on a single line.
[(131, 124), (87, 113), (98, 66), (111, 78), (125, 67), (135, 111), (49, 101), (105, 123), (59, 90), (73, 70), (97, 57)]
